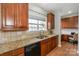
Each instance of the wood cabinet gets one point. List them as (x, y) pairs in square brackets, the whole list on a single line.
[(54, 42), (65, 37), (50, 21), (65, 23), (70, 22), (48, 44), (17, 52), (14, 16), (44, 47), (74, 22)]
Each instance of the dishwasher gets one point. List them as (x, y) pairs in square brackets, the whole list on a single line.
[(33, 50)]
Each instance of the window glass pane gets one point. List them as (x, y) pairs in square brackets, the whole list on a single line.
[(36, 25), (41, 27), (42, 22), (33, 21), (32, 27)]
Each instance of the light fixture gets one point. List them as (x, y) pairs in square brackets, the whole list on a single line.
[(69, 12)]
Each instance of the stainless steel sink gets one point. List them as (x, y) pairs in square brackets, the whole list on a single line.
[(41, 37)]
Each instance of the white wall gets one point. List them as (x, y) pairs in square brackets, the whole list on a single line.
[(58, 27), (0, 16), (78, 32), (36, 12), (68, 31)]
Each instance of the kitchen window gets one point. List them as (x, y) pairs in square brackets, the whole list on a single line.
[(37, 18), (37, 25)]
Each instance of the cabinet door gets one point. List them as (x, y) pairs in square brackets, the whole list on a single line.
[(14, 16), (70, 22), (21, 12), (65, 23), (65, 37), (74, 22), (7, 15), (44, 47), (17, 52), (49, 45), (50, 21), (43, 50), (21, 54), (54, 42)]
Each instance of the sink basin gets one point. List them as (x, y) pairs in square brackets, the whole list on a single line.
[(41, 37)]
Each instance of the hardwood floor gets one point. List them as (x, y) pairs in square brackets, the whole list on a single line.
[(67, 49)]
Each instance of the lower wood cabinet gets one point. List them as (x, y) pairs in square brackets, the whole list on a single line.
[(44, 47), (48, 45), (17, 52), (64, 37)]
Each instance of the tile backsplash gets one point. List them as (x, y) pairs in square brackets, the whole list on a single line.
[(13, 36)]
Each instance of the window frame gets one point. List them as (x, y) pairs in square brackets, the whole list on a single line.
[(45, 25)]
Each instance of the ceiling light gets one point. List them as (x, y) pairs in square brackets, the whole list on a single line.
[(69, 12)]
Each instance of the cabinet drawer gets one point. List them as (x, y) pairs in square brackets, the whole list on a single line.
[(14, 52), (22, 54), (44, 50), (18, 51), (7, 54)]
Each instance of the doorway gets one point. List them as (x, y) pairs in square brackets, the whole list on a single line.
[(69, 32)]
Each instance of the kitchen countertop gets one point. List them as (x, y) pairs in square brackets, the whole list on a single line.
[(8, 46)]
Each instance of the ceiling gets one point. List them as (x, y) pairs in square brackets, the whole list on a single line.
[(62, 8)]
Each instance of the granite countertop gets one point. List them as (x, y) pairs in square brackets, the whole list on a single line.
[(8, 46)]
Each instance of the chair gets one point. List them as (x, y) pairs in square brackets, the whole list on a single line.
[(73, 39)]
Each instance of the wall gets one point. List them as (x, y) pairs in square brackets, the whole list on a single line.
[(68, 31), (57, 29), (0, 16), (69, 15), (78, 32), (12, 36), (37, 12), (57, 23)]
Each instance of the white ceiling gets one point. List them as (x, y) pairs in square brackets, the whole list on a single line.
[(61, 8)]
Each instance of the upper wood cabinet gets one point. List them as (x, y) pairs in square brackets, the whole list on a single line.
[(14, 16), (70, 22), (50, 21), (74, 21)]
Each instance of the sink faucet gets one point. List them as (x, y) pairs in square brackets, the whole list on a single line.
[(41, 34)]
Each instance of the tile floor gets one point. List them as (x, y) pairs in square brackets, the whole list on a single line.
[(67, 49)]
